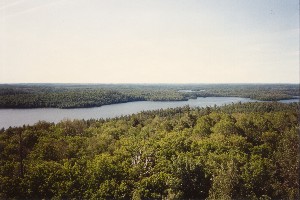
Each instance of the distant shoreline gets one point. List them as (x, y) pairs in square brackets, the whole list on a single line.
[(151, 101), (67, 96)]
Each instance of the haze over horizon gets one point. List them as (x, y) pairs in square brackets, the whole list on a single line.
[(150, 41)]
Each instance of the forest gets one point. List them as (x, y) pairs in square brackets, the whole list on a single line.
[(236, 151), (93, 95)]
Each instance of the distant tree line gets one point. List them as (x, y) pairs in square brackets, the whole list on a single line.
[(78, 96), (238, 151)]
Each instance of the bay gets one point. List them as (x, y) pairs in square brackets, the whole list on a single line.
[(19, 117)]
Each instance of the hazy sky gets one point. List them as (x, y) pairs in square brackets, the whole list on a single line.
[(149, 41)]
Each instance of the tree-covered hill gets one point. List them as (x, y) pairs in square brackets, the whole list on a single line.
[(238, 151), (89, 95)]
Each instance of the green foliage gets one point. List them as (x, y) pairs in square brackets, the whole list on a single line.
[(238, 151)]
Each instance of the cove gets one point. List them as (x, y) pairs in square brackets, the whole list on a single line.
[(19, 117)]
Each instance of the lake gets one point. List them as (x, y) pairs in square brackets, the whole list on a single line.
[(19, 117)]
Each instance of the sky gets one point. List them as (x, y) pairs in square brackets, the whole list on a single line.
[(149, 41)]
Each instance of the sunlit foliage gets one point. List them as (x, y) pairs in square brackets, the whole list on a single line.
[(238, 151)]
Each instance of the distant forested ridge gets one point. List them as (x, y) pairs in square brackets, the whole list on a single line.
[(89, 95), (238, 151)]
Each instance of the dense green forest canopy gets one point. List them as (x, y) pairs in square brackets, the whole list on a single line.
[(238, 151), (92, 95)]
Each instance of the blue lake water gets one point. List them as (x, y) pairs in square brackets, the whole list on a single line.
[(19, 117)]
